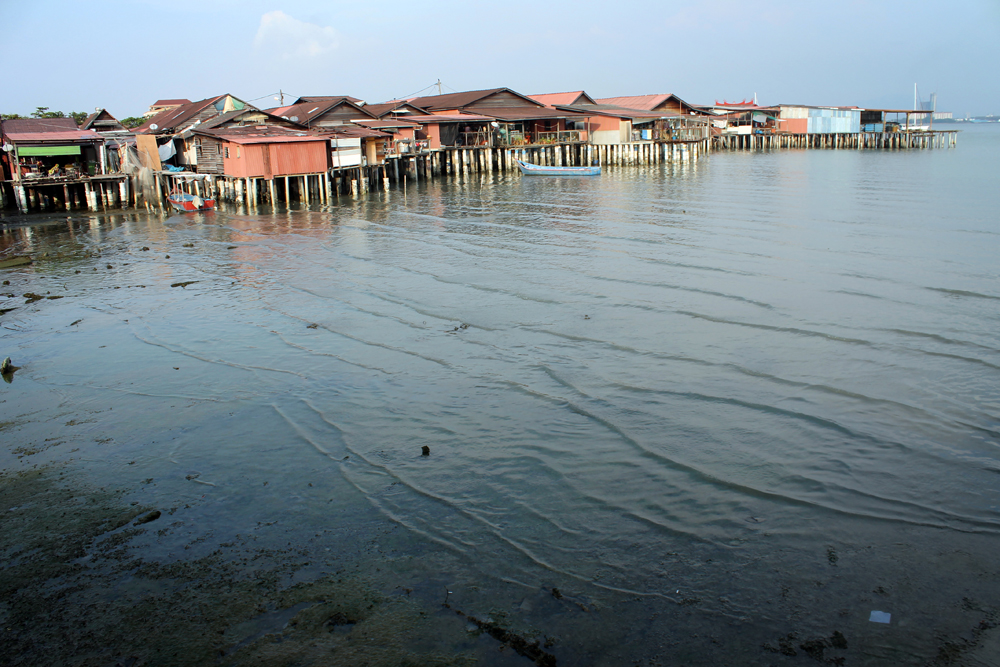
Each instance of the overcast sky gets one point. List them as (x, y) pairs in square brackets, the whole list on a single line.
[(124, 55)]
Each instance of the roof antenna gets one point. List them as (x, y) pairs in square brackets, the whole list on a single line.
[(755, 99), (438, 84)]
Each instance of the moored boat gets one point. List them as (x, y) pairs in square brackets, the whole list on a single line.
[(529, 169), (185, 203)]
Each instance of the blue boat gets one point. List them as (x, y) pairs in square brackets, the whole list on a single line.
[(529, 169)]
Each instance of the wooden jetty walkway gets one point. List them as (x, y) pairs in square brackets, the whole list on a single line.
[(856, 140)]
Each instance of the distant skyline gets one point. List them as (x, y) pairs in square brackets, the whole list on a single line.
[(125, 54)]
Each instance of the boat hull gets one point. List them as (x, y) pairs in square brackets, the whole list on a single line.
[(187, 203), (529, 169)]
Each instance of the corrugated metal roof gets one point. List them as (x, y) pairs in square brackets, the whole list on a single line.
[(643, 102), (309, 110), (518, 114), (222, 119), (399, 107), (610, 110), (170, 103), (172, 118), (323, 98), (386, 122), (68, 136), (563, 99), (454, 117), (354, 132), (39, 125), (269, 139), (459, 100)]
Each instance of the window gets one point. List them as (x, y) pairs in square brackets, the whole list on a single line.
[(227, 152)]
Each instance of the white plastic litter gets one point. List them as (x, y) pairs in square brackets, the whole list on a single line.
[(880, 617)]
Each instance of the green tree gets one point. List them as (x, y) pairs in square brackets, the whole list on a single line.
[(43, 112), (78, 116), (11, 116), (132, 121)]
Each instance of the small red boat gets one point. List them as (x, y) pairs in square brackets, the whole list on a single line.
[(185, 203)]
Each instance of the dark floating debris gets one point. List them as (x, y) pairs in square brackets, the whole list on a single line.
[(185, 284), (7, 366), (556, 594), (188, 245), (7, 282), (312, 326), (831, 556), (425, 451), (145, 248), (586, 317), (73, 324), (152, 516), (461, 327)]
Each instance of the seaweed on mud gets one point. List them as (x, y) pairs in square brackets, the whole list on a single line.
[(76, 590), (529, 649)]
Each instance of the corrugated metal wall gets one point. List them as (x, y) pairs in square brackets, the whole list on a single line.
[(834, 121), (298, 158), (823, 120)]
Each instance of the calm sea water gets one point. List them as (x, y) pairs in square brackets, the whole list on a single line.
[(717, 402)]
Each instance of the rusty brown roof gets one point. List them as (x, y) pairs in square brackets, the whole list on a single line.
[(521, 113), (61, 137), (610, 110), (388, 122), (644, 102), (563, 99), (353, 132), (309, 110), (222, 119), (39, 125), (404, 108), (169, 119), (459, 100), (170, 103), (323, 98)]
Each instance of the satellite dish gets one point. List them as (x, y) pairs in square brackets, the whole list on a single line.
[(154, 126), (495, 124), (98, 109), (294, 119), (8, 147)]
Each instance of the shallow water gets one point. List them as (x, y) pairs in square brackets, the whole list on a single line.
[(756, 394)]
